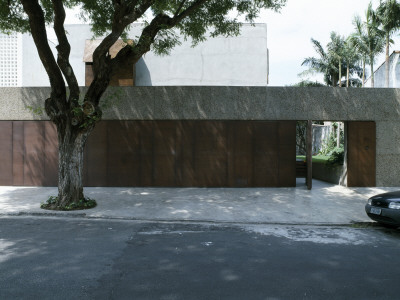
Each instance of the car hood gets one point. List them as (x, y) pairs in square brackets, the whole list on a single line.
[(388, 196)]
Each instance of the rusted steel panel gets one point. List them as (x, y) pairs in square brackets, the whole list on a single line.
[(51, 154), (265, 154), (361, 154), (96, 157), (146, 153), (6, 153), (165, 153), (18, 153), (287, 153), (240, 160), (34, 161), (123, 154), (210, 158), (186, 170)]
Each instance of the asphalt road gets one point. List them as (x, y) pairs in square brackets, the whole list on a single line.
[(72, 258)]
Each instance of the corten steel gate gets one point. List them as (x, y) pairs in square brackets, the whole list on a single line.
[(29, 154), (157, 153), (361, 154)]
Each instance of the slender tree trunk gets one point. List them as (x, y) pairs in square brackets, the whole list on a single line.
[(338, 135), (340, 73), (363, 73), (70, 174), (372, 72), (334, 81), (347, 75), (387, 67)]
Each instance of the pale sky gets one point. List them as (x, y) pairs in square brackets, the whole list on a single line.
[(290, 32)]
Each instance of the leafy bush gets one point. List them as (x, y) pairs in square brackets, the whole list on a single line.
[(331, 143), (336, 156)]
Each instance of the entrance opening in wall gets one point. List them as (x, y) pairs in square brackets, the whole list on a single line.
[(340, 153), (320, 152)]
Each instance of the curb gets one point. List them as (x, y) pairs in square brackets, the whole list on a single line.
[(355, 224)]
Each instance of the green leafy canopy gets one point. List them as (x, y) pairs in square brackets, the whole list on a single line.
[(219, 17)]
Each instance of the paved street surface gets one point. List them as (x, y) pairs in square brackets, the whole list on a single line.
[(78, 258)]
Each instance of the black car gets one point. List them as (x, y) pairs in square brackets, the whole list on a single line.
[(385, 208)]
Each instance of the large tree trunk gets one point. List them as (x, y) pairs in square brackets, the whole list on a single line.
[(70, 175)]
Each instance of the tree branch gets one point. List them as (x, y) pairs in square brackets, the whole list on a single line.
[(179, 8), (136, 13), (102, 65), (64, 49), (149, 33), (192, 8), (38, 31)]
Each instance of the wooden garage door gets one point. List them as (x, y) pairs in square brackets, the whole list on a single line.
[(158, 153), (361, 153)]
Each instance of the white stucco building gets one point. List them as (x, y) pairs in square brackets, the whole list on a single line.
[(394, 73), (233, 61)]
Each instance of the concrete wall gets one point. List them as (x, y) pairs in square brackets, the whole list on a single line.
[(245, 103), (323, 172), (233, 61)]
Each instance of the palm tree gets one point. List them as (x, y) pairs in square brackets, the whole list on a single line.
[(331, 62), (359, 41), (351, 58), (388, 14), (368, 39), (376, 40), (336, 50), (325, 64)]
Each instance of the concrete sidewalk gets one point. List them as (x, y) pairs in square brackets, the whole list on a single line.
[(324, 204)]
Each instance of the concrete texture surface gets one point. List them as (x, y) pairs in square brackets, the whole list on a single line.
[(243, 103), (324, 204), (226, 103)]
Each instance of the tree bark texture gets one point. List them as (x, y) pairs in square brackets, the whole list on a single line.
[(70, 178)]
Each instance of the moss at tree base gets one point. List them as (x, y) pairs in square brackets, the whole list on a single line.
[(53, 204)]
